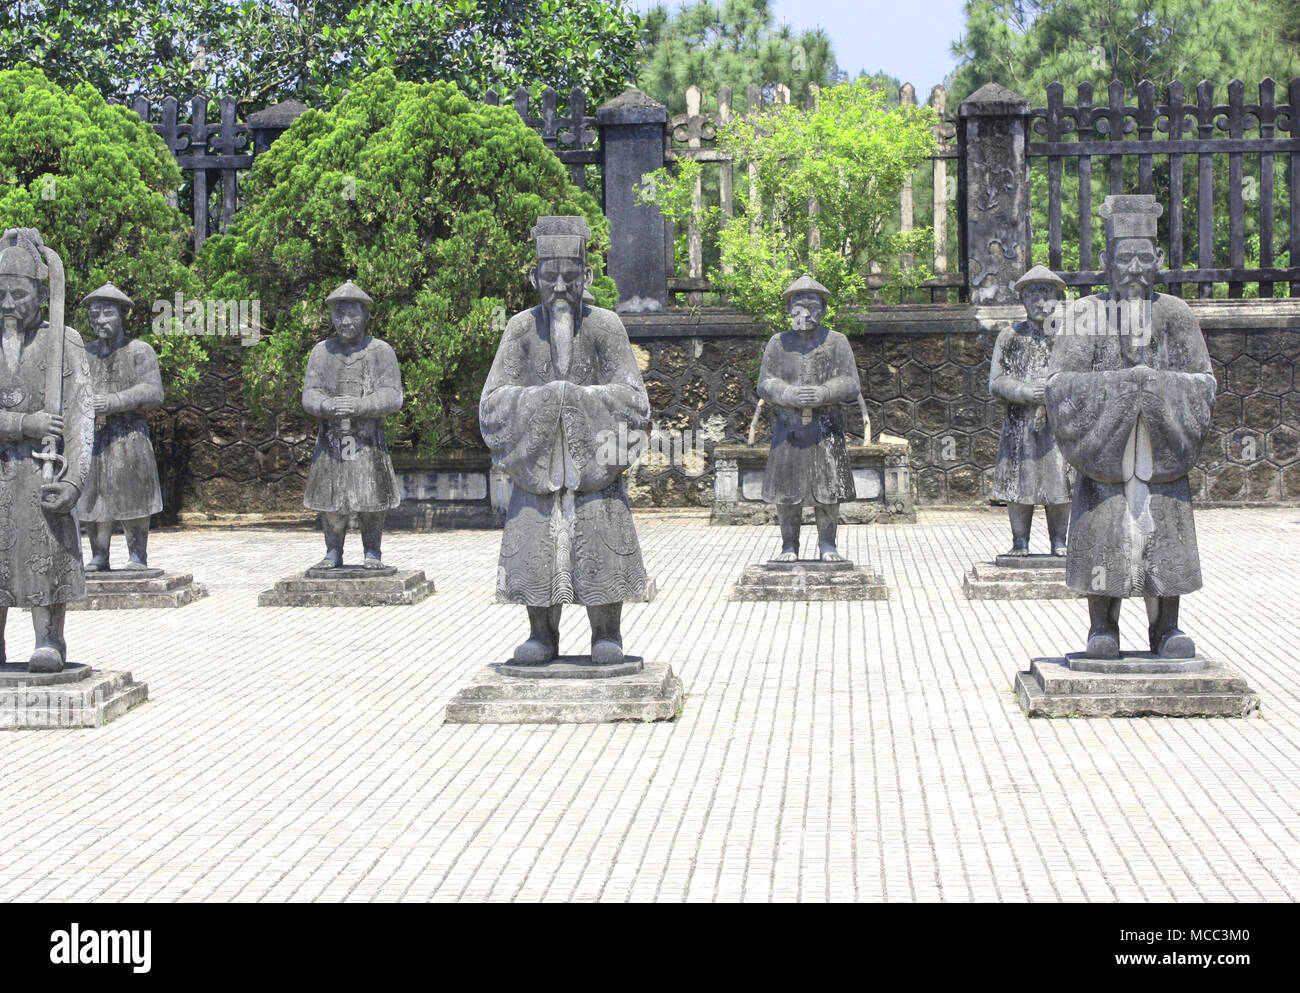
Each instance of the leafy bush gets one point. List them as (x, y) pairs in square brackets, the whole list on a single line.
[(851, 155), (94, 180), (425, 199)]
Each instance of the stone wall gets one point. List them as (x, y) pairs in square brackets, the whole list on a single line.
[(924, 371)]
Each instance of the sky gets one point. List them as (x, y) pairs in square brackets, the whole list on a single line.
[(908, 39)]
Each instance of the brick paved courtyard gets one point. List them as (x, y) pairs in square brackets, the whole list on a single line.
[(827, 751)]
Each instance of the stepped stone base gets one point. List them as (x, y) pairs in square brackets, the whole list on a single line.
[(1138, 684), (77, 697), (566, 696), (349, 586), (809, 579), (127, 589), (1018, 577)]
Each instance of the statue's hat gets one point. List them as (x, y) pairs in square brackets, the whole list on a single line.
[(350, 291), (1131, 215), (20, 255), (108, 292), (563, 237), (1038, 274), (805, 284)]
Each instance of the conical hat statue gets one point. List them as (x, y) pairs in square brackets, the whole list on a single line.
[(350, 291), (805, 284), (110, 293), (1038, 274)]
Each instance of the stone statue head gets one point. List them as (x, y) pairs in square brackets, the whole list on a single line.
[(108, 307), (349, 312), (561, 274), (1041, 292), (22, 284), (805, 302), (1131, 258)]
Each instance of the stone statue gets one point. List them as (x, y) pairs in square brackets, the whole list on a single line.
[(47, 426), (807, 372), (353, 382), (564, 380), (123, 483), (1030, 469), (1129, 396)]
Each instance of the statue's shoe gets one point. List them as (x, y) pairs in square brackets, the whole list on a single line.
[(93, 566), (45, 659), (326, 563), (1059, 551), (534, 652), (372, 564), (1017, 550), (1173, 644), (606, 652), (1103, 644), (132, 564)]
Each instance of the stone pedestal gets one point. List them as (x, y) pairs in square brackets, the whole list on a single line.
[(125, 589), (882, 478), (77, 697), (1137, 684), (1018, 577), (569, 690), (348, 586), (809, 579)]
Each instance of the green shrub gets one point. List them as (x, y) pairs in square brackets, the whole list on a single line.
[(94, 180), (851, 155), (425, 199)]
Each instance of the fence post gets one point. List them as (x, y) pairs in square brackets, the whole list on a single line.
[(632, 127), (994, 134)]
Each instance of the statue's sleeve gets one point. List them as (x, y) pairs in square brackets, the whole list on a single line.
[(843, 385), (314, 395), (78, 410), (147, 391), (386, 398), (10, 426), (1002, 385), (519, 422), (1177, 404), (771, 387), (1092, 413), (593, 415)]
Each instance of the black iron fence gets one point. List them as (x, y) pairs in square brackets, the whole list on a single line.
[(999, 142)]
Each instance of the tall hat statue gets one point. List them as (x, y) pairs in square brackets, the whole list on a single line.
[(47, 423)]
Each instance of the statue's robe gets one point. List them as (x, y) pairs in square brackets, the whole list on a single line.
[(351, 470), (123, 482), (40, 551), (1030, 467), (568, 535), (1133, 437), (808, 463)]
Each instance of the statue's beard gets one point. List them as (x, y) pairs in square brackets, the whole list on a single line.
[(562, 334)]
